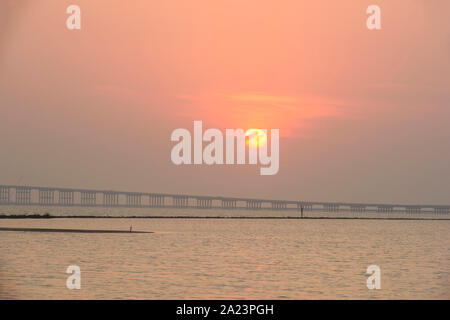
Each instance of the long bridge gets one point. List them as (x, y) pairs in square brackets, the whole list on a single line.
[(70, 197)]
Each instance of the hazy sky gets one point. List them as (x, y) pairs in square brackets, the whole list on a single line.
[(363, 115)]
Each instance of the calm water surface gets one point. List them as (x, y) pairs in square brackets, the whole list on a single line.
[(227, 259)]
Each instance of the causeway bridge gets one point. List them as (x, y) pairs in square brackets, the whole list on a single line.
[(11, 195)]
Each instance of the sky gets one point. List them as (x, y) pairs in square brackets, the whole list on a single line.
[(364, 116)]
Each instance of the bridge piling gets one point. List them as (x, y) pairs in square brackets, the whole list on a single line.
[(5, 195), (385, 209), (253, 204), (66, 197), (357, 208), (331, 207), (180, 201), (156, 200), (46, 196), (441, 210), (23, 195), (110, 199), (133, 200), (204, 203), (88, 198), (229, 204)]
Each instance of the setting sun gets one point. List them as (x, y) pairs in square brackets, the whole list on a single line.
[(256, 138)]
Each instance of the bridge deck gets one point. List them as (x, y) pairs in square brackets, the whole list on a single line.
[(72, 197)]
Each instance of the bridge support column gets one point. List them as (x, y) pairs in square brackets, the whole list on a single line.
[(357, 208), (110, 199), (180, 201), (46, 196), (4, 195), (385, 209), (204, 203), (156, 200), (441, 210), (66, 197), (411, 210), (279, 205), (229, 204), (331, 207), (254, 204), (306, 206), (88, 198), (134, 200), (23, 195)]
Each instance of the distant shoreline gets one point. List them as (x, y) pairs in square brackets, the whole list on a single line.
[(48, 216), (70, 230)]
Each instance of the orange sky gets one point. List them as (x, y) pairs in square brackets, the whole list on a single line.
[(363, 115)]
